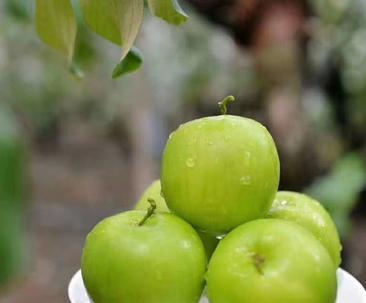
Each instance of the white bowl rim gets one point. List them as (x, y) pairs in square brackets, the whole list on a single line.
[(349, 289)]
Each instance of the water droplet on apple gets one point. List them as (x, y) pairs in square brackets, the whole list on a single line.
[(283, 202), (246, 180), (186, 244), (190, 162), (247, 157)]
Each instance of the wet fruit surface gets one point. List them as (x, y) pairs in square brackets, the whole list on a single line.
[(154, 192), (271, 260), (311, 215), (219, 172), (161, 261)]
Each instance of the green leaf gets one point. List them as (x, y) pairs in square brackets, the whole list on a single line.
[(168, 10), (118, 21), (340, 189), (56, 25), (76, 71), (129, 64)]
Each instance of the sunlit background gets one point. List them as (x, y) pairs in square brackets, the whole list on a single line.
[(74, 151)]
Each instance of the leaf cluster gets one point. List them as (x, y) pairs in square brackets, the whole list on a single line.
[(118, 21)]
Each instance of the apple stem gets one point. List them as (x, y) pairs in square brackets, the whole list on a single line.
[(258, 263), (150, 211), (224, 103)]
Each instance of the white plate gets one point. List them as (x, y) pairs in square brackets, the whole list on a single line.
[(349, 289)]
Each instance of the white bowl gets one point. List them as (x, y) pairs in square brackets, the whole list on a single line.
[(349, 289)]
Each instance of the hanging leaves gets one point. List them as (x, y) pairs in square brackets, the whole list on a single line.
[(131, 63), (56, 25), (168, 10), (118, 21)]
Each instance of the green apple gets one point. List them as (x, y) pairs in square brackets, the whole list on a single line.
[(219, 172), (311, 215), (138, 257), (271, 260), (154, 192)]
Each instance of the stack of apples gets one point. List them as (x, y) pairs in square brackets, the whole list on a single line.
[(217, 224)]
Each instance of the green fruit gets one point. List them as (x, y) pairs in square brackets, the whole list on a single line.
[(219, 172), (271, 260), (311, 215), (154, 192), (160, 261)]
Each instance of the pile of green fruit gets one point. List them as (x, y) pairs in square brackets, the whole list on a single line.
[(219, 180)]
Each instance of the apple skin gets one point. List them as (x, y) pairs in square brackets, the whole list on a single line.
[(311, 215), (219, 172), (162, 261), (154, 192), (271, 260)]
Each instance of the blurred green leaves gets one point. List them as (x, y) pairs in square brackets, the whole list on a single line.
[(118, 21), (339, 190), (331, 11), (20, 9), (102, 19), (131, 63), (12, 196), (56, 25), (339, 38), (168, 10)]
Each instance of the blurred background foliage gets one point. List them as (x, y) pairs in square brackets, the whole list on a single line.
[(12, 191), (297, 66)]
